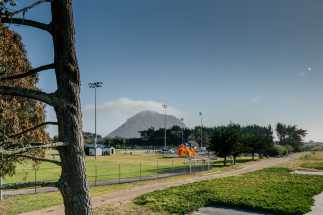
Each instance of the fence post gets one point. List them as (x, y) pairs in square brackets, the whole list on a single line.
[(119, 173), (208, 165), (35, 171), (157, 168), (140, 169), (190, 166), (1, 192), (96, 175)]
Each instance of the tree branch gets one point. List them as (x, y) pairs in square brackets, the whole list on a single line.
[(41, 159), (29, 73), (30, 147), (50, 99), (33, 128), (29, 7), (28, 184), (27, 22)]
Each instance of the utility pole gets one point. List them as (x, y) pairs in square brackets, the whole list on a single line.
[(201, 116), (182, 120), (165, 125), (95, 85)]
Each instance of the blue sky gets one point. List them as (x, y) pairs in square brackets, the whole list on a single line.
[(247, 61)]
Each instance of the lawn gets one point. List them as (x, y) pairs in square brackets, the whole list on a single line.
[(272, 190), (104, 167), (107, 167), (318, 166), (25, 203)]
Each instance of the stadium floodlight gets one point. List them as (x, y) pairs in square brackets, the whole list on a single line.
[(201, 116), (95, 85), (165, 125)]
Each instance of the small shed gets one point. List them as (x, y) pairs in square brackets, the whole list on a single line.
[(100, 150)]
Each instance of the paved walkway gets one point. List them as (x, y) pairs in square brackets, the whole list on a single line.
[(224, 211), (128, 195), (317, 208)]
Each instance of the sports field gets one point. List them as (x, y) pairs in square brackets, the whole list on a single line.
[(124, 165)]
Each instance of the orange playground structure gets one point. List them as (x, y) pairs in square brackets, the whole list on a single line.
[(186, 151)]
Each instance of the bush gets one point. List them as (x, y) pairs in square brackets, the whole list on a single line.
[(278, 151)]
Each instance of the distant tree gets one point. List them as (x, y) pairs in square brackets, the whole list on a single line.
[(257, 139), (206, 134), (153, 137), (291, 135), (225, 141)]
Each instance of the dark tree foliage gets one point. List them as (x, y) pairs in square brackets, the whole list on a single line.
[(225, 141), (257, 139), (154, 137), (291, 135), (206, 135)]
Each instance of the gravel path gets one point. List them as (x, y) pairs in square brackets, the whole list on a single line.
[(128, 195), (303, 172), (317, 209), (224, 211)]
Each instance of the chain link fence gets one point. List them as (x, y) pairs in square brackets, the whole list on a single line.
[(99, 174)]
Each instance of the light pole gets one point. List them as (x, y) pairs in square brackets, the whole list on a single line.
[(165, 125), (182, 120), (201, 116), (95, 85)]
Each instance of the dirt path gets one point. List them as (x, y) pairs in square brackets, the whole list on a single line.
[(128, 195)]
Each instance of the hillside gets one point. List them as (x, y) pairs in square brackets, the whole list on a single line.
[(143, 121)]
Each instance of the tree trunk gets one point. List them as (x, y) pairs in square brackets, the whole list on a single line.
[(225, 161), (234, 160), (73, 183), (253, 156)]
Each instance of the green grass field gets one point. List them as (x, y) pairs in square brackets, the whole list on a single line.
[(105, 168), (272, 190), (26, 203), (318, 166)]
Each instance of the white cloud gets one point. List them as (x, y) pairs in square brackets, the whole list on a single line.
[(112, 114), (301, 74), (126, 105), (256, 99), (305, 72)]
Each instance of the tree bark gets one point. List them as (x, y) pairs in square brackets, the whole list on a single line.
[(73, 183)]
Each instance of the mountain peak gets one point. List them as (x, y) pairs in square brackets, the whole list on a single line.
[(143, 121)]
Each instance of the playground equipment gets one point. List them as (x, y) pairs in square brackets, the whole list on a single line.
[(186, 151)]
